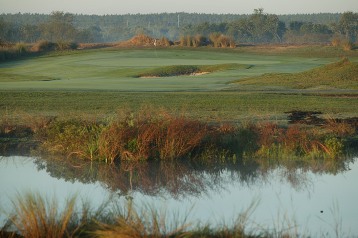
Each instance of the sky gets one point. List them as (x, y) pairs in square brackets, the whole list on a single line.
[(103, 7)]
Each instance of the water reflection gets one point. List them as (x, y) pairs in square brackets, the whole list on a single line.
[(214, 192), (179, 179)]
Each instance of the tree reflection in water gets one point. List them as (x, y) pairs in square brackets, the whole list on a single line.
[(182, 178)]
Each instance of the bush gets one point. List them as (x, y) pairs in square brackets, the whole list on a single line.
[(215, 39), (21, 48), (8, 52), (66, 45), (142, 40), (199, 40), (347, 45), (165, 42), (43, 45), (336, 42)]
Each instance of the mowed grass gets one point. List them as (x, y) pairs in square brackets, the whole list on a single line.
[(206, 106), (342, 75), (114, 69)]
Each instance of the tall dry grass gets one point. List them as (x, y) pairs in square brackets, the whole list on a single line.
[(147, 222), (37, 217)]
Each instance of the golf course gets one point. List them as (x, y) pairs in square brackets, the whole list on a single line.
[(241, 83)]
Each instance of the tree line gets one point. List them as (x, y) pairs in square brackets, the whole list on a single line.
[(258, 27)]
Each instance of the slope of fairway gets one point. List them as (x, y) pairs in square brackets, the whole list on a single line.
[(340, 75), (114, 69)]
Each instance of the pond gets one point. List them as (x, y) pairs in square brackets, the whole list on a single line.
[(308, 200)]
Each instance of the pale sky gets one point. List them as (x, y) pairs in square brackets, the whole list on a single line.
[(102, 7)]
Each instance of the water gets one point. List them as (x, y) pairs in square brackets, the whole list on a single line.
[(314, 203)]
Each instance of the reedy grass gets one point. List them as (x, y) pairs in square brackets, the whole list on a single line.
[(154, 134), (38, 217), (129, 138)]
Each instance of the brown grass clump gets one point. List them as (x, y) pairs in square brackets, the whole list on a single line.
[(142, 40), (347, 46), (37, 217), (276, 142), (150, 137), (340, 128), (43, 45), (179, 136), (133, 137), (336, 42), (145, 223)]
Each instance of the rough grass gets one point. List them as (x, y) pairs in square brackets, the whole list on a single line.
[(342, 75)]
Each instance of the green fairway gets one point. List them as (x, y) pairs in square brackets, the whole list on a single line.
[(114, 69)]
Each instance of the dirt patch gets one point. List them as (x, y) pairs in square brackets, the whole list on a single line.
[(312, 118), (305, 117), (199, 73), (192, 74)]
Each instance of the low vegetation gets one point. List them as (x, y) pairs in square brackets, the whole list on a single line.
[(178, 70), (19, 50), (149, 135)]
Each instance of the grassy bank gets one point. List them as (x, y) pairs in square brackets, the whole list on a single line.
[(342, 75)]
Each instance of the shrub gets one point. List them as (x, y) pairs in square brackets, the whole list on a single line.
[(72, 138), (215, 39), (142, 40), (21, 48), (66, 45), (43, 45), (347, 45), (334, 146), (164, 42), (199, 40), (224, 41), (188, 40), (336, 42)]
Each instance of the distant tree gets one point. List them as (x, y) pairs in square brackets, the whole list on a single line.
[(295, 26), (60, 27), (30, 33), (348, 26)]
